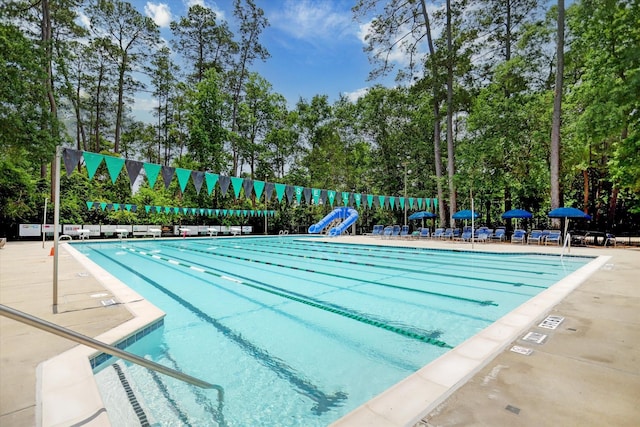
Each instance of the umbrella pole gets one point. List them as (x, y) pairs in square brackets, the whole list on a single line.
[(472, 218)]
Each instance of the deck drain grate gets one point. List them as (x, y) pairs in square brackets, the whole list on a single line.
[(534, 337), (521, 350), (513, 409), (108, 302), (83, 274), (551, 322)]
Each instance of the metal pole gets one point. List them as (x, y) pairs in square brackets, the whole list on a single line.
[(44, 220), (60, 331), (56, 224), (405, 194), (472, 218)]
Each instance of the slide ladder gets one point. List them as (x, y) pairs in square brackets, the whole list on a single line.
[(343, 216)]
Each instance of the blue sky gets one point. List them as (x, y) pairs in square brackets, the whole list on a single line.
[(316, 46)]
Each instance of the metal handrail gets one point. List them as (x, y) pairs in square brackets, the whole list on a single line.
[(60, 331)]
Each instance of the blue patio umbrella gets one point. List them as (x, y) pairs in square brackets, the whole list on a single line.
[(517, 213), (421, 215), (465, 214), (566, 213)]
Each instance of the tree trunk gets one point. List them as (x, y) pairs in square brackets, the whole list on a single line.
[(120, 106), (436, 118), (450, 146), (557, 114)]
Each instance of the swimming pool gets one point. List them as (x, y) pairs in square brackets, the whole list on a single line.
[(300, 331)]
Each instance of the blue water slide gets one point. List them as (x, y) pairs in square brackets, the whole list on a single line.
[(351, 217), (338, 213)]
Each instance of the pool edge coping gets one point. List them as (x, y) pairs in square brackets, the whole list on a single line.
[(410, 400), (66, 389), (403, 404)]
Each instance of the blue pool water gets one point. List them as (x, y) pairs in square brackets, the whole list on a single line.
[(299, 331)]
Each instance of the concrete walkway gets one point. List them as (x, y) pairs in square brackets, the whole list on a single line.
[(26, 272), (587, 372)]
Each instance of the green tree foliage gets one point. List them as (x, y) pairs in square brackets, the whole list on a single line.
[(483, 74), (207, 113)]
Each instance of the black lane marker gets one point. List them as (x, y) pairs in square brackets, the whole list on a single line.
[(335, 310), (336, 275), (390, 267), (323, 401), (413, 252)]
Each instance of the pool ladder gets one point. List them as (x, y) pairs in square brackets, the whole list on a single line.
[(60, 331)]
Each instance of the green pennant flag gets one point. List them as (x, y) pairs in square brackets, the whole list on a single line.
[(369, 200), (224, 212), (315, 192), (244, 212), (420, 203), (236, 182), (128, 207), (392, 202), (89, 205), (358, 198), (211, 179), (258, 187), (428, 201), (435, 203), (331, 195), (401, 201), (411, 200), (92, 160), (280, 191), (103, 205), (345, 198), (114, 165), (298, 191), (183, 177), (217, 212), (381, 200), (116, 206), (147, 208), (151, 170)]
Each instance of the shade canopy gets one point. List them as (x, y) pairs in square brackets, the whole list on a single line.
[(466, 214), (422, 214), (568, 212), (517, 213)]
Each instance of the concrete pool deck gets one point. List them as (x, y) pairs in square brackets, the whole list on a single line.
[(587, 371)]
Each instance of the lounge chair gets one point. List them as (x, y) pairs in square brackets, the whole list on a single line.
[(610, 240), (519, 236), (448, 233), (387, 232), (536, 237), (424, 233), (499, 234), (466, 234), (377, 230), (456, 234), (483, 234), (404, 232), (396, 231), (554, 236), (438, 233)]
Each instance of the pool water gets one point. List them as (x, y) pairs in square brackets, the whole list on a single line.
[(299, 331)]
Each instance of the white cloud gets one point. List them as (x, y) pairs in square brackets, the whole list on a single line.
[(159, 12), (214, 7), (313, 20), (356, 94), (84, 20)]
